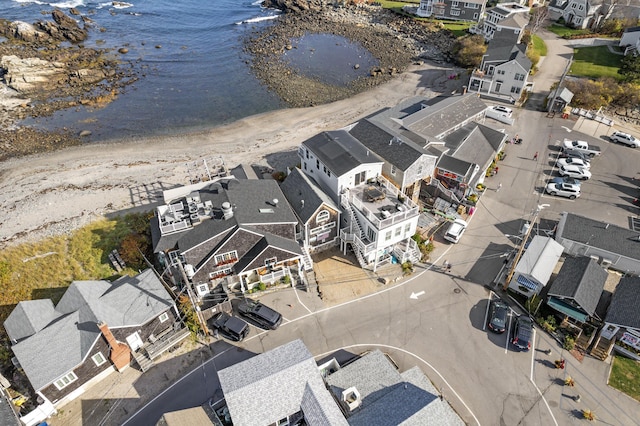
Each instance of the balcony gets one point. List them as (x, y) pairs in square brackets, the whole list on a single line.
[(380, 202)]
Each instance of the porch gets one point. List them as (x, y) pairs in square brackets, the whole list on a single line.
[(157, 344)]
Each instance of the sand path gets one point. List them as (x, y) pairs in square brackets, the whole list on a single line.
[(53, 193)]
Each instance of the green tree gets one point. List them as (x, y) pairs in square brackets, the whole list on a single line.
[(468, 50), (630, 68)]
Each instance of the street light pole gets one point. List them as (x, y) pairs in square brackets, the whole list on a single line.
[(507, 281)]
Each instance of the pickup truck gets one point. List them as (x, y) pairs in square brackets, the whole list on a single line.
[(582, 146)]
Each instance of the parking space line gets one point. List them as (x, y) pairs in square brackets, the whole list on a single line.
[(300, 301), (506, 344), (486, 312), (533, 351)]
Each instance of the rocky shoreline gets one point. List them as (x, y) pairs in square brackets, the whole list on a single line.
[(395, 41), (46, 68)]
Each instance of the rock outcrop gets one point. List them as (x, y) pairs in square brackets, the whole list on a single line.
[(296, 6), (62, 28), (32, 74)]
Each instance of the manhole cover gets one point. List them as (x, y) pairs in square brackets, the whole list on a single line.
[(456, 290)]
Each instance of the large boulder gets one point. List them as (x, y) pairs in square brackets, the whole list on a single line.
[(63, 28), (31, 75), (25, 32)]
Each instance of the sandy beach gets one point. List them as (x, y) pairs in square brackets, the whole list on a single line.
[(54, 193)]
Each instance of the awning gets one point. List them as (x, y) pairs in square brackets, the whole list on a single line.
[(567, 309), (524, 281)]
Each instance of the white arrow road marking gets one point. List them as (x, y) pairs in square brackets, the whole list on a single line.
[(567, 129), (416, 295)]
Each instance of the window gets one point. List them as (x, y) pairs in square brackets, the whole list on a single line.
[(501, 72), (98, 359), (271, 262), (318, 164), (453, 12), (454, 4), (307, 152), (393, 170), (515, 89), (387, 236), (65, 381), (475, 16), (164, 317), (419, 171), (228, 257), (328, 172), (323, 216), (407, 228), (304, 165), (324, 169), (371, 235), (398, 231), (519, 77), (580, 7)]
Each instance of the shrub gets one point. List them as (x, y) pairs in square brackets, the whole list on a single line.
[(569, 343), (262, 286), (407, 268), (286, 279)]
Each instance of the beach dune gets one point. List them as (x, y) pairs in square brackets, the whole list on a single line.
[(54, 193)]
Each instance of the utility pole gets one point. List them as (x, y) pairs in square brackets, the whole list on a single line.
[(507, 281), (201, 320)]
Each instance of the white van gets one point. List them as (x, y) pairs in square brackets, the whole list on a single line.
[(455, 231)]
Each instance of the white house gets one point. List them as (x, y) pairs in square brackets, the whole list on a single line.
[(536, 266), (469, 10), (577, 13), (378, 219)]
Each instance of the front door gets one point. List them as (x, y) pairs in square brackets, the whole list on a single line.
[(498, 86), (134, 341)]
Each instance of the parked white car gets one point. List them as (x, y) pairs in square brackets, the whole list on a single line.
[(572, 161), (625, 138), (563, 189), (575, 172), (502, 110), (455, 231)]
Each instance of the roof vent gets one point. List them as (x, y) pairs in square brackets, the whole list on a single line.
[(351, 397), (301, 203), (275, 202), (227, 211)]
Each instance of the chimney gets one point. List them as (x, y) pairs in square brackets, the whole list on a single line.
[(120, 354), (351, 398)]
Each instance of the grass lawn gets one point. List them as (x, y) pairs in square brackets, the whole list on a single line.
[(561, 30), (458, 28), (625, 376), (594, 62), (539, 46), (44, 270)]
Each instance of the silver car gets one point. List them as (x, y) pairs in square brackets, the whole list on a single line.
[(574, 172), (563, 189), (625, 138)]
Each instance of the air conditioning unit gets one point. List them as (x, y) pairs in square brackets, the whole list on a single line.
[(605, 263)]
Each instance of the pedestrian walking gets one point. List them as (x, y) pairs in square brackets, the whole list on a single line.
[(448, 267), (535, 156), (496, 170), (499, 186)]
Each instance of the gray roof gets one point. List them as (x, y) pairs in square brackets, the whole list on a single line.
[(502, 53), (247, 262), (278, 383), (441, 115), (304, 196), (540, 258), (340, 151), (517, 20), (129, 301), (632, 29), (455, 165), (29, 317), (414, 403), (394, 148), (605, 236), (391, 398), (580, 279), (8, 416), (475, 143), (623, 310)]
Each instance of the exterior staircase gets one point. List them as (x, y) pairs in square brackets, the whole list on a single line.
[(143, 360), (602, 349), (306, 259)]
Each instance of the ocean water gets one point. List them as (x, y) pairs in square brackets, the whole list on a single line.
[(198, 78)]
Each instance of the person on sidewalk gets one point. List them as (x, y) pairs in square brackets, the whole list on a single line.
[(499, 186), (535, 156)]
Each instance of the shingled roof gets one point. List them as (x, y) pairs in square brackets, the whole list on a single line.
[(304, 195), (623, 310), (73, 331), (580, 279)]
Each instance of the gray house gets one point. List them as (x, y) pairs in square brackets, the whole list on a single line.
[(286, 386), (622, 322), (66, 348), (503, 72), (233, 232), (406, 164), (612, 246), (318, 215), (505, 20), (576, 290), (577, 13), (280, 386), (536, 265), (470, 10)]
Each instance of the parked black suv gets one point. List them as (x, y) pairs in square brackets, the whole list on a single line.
[(262, 315), (233, 328), (523, 333), (498, 316)]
